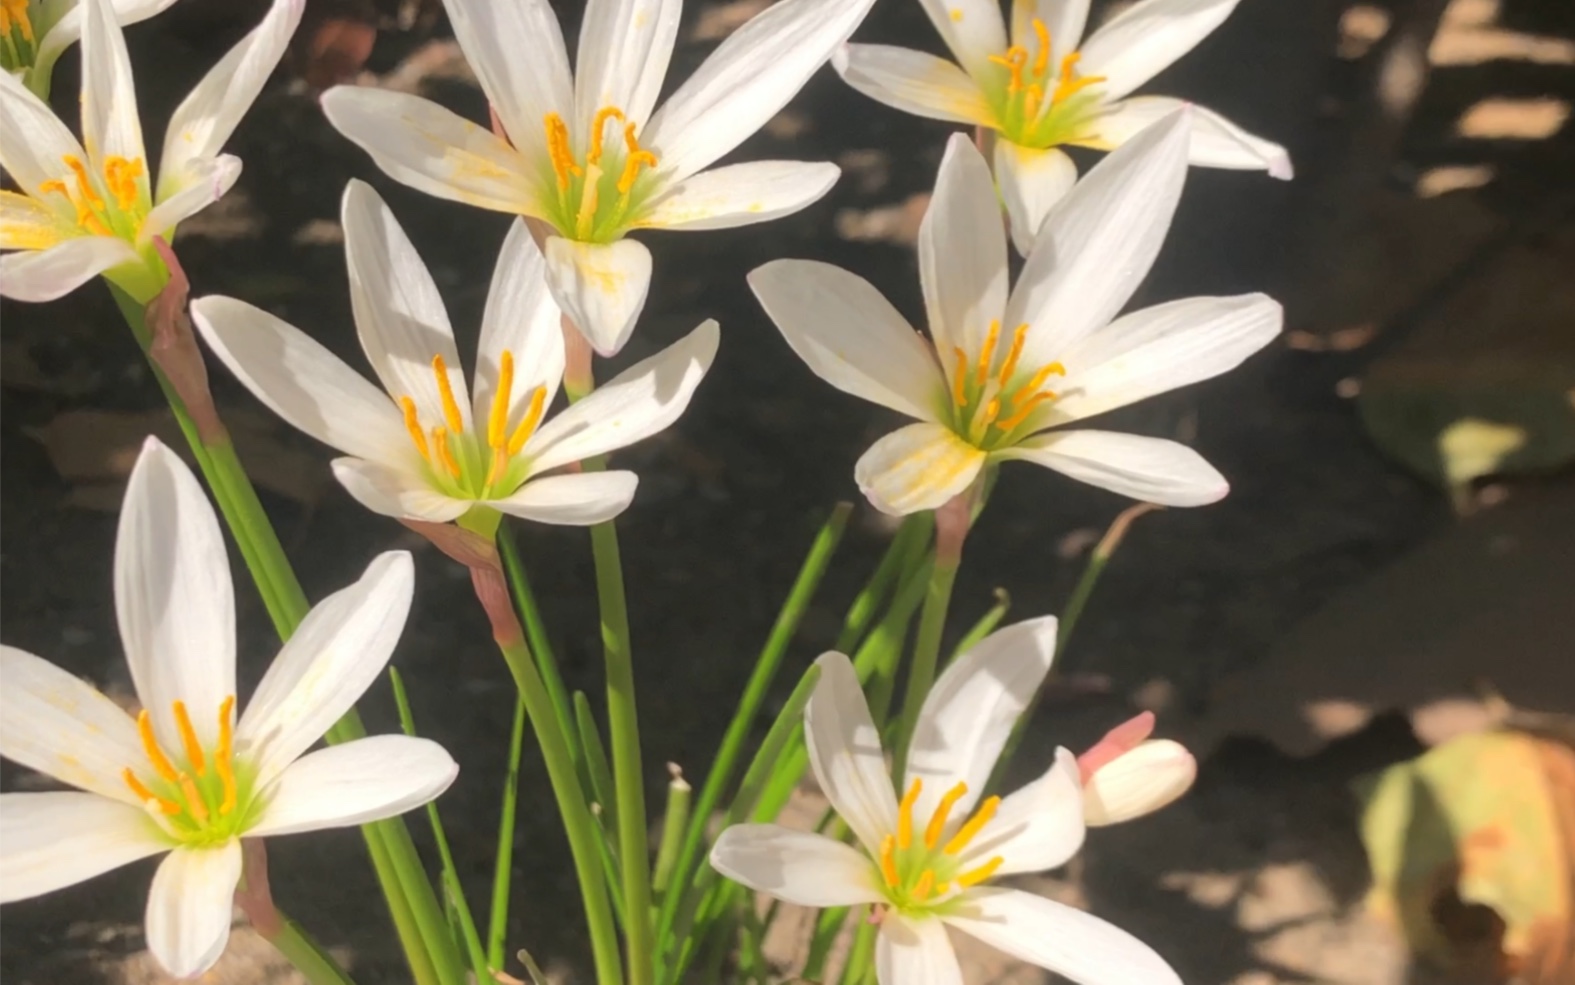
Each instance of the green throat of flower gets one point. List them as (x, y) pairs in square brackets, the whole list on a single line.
[(920, 871), (198, 796), (990, 402), (594, 200), (1037, 107), (475, 466)]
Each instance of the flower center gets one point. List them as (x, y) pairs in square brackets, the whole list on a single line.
[(94, 215), (989, 403), (923, 873), (196, 796), (18, 45), (1041, 108), (470, 466), (594, 199)]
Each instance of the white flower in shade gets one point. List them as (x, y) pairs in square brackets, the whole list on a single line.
[(431, 448), (928, 858), (1041, 89), (34, 33), (92, 208), (585, 153), (1140, 781), (187, 776), (999, 371)]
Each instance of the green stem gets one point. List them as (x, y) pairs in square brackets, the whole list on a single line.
[(911, 538), (673, 824), (536, 632), (307, 955), (503, 864), (926, 653)]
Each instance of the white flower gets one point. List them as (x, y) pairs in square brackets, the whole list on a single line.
[(927, 859), (429, 449), (185, 776), (34, 33), (83, 212), (997, 371), (1042, 90), (1140, 781), (584, 152)]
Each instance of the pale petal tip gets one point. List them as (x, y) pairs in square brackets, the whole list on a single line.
[(1280, 167)]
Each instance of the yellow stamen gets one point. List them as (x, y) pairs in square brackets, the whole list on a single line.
[(223, 754), (960, 378), (586, 217), (1022, 412), (888, 860), (451, 414), (637, 157), (498, 420), (1031, 101), (441, 450), (597, 124), (1038, 380), (527, 427), (925, 885), (15, 12), (413, 425), (121, 175), (992, 410), (932, 834), (188, 738), (983, 872), (54, 185), (1069, 86), (1019, 339), (144, 794), (905, 814), (967, 832), (194, 804), (84, 185), (987, 354), (558, 149), (1014, 60), (942, 888), (1042, 59), (150, 745)]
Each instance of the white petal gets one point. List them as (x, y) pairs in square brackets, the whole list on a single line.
[(1151, 470), (914, 82), (52, 840), (1097, 245), (1146, 38), (302, 382), (915, 952), (1138, 782), (740, 195), (189, 907), (850, 336), (201, 183), (399, 315), (28, 224), (354, 783), (972, 29), (918, 467), (419, 143), (54, 723), (209, 114), (337, 652), (44, 275), (68, 29), (1064, 19), (1216, 142), (970, 711), (1076, 945), (522, 318), (110, 124), (1162, 348), (1032, 182), (173, 597), (796, 866), (1037, 827), (33, 141), (576, 500), (399, 493), (517, 52), (635, 404), (747, 80), (600, 286), (962, 253), (845, 752), (624, 49)]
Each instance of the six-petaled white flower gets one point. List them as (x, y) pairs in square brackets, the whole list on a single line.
[(91, 208), (1040, 90), (999, 371), (926, 860), (430, 448), (189, 776), (585, 154), (34, 33)]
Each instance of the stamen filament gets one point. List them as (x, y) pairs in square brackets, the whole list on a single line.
[(145, 795), (15, 12), (1038, 380), (188, 738), (223, 754), (932, 834), (413, 425), (527, 427), (987, 354), (960, 378), (975, 876), (968, 831), (451, 414), (925, 885), (905, 814), (1019, 339), (888, 861), (498, 420), (585, 219), (194, 804), (441, 450), (1022, 413), (598, 123), (1042, 58), (150, 746)]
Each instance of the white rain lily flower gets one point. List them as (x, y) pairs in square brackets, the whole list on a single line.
[(430, 448), (83, 212), (188, 776), (585, 153), (1041, 90), (927, 859), (34, 33), (1145, 778), (981, 385)]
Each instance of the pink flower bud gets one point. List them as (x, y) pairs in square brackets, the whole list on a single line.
[(1137, 782)]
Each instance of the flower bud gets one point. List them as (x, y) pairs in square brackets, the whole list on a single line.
[(1137, 782)]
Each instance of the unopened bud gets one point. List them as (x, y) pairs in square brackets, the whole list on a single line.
[(1137, 782)]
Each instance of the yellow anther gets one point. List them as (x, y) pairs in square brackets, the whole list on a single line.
[(1042, 57), (597, 125), (223, 753), (960, 378), (987, 354), (84, 183), (441, 450), (451, 414), (413, 425), (188, 738), (121, 175), (15, 12), (942, 888), (1021, 414), (1014, 60), (194, 804), (925, 885), (563, 165), (54, 185), (1019, 339), (937, 826), (145, 795), (888, 861), (150, 746), (975, 876), (527, 426), (631, 169), (905, 814), (1069, 86), (1038, 380), (969, 831), (498, 420), (992, 410)]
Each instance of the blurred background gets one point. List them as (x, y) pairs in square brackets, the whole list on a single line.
[(1393, 575)]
